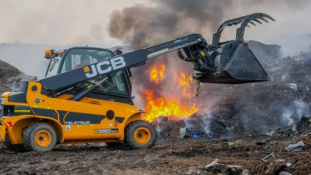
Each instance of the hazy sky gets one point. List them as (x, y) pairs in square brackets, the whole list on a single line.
[(85, 21)]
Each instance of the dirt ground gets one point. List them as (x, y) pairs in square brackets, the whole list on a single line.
[(188, 156)]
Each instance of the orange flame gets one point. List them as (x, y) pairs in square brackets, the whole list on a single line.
[(157, 74), (168, 106), (184, 83), (156, 107)]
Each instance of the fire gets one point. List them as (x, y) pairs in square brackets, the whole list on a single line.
[(156, 107), (177, 107), (157, 73), (184, 83)]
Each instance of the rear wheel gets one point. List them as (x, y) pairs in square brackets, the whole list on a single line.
[(40, 137), (140, 134)]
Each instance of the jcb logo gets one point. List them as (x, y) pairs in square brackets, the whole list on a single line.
[(106, 66)]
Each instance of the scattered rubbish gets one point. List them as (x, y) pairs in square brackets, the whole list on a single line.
[(280, 160), (215, 162), (263, 142), (295, 147), (234, 169), (292, 86), (245, 172), (162, 119), (195, 135), (288, 164), (285, 173), (231, 143), (185, 133), (216, 167), (182, 132), (265, 159)]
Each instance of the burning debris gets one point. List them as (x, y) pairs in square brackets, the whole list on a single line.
[(157, 105), (156, 74), (276, 108)]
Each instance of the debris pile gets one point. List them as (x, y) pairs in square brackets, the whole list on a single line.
[(10, 77)]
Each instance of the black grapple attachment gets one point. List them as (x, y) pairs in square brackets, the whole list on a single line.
[(231, 61)]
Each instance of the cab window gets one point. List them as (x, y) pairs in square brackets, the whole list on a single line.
[(113, 85), (53, 67), (76, 58)]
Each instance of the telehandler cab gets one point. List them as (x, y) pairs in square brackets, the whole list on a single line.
[(86, 93)]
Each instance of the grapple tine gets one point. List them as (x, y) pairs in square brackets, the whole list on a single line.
[(267, 16), (257, 21), (252, 23), (262, 18)]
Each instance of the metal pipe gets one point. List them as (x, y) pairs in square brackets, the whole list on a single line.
[(181, 56)]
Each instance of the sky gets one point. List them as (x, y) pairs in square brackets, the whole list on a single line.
[(60, 22)]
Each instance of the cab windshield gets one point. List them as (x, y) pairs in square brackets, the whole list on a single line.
[(80, 57), (53, 67), (76, 58)]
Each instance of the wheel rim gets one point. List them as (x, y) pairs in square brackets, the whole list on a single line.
[(142, 135), (43, 138)]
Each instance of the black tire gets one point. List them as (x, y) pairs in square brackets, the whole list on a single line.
[(15, 148), (30, 141), (148, 131)]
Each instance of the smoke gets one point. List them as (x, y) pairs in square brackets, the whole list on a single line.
[(142, 26), (297, 110), (287, 117), (188, 123), (302, 108), (206, 124)]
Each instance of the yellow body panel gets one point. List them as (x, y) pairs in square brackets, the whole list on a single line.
[(82, 121), (2, 133)]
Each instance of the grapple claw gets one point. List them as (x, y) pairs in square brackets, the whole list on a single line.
[(243, 21), (232, 61)]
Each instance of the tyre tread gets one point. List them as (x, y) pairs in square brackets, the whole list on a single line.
[(27, 136), (128, 134)]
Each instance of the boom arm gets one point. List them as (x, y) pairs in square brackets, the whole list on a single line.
[(114, 64)]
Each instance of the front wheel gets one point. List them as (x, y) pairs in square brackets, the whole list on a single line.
[(40, 137), (140, 134)]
